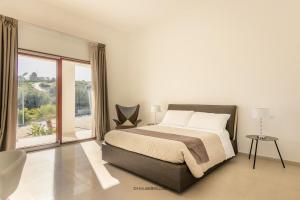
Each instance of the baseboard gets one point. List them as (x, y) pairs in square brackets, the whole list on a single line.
[(271, 158)]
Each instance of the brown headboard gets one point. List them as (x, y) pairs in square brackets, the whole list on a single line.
[(226, 109)]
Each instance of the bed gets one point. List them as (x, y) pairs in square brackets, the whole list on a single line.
[(176, 176)]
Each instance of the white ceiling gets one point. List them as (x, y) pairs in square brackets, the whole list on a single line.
[(123, 15)]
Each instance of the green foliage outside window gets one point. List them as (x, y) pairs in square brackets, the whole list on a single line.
[(45, 112), (40, 130), (37, 102)]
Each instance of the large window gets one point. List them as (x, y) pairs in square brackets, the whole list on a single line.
[(37, 101), (54, 100)]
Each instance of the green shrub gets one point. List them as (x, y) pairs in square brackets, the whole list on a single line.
[(47, 112), (27, 117), (44, 113), (37, 129)]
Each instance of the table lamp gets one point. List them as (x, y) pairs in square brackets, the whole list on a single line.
[(155, 109), (261, 114)]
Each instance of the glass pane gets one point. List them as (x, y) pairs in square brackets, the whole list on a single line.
[(36, 101), (83, 100), (77, 101)]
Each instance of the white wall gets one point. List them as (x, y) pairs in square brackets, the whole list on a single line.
[(44, 40), (231, 52)]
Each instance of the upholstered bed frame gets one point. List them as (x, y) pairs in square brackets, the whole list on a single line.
[(176, 177)]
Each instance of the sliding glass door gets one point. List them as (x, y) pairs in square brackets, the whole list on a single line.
[(76, 101), (54, 101), (37, 101)]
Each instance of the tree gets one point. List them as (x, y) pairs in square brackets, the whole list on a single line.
[(29, 97), (22, 77), (33, 76), (34, 98), (82, 99)]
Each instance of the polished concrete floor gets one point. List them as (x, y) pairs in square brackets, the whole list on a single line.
[(67, 173)]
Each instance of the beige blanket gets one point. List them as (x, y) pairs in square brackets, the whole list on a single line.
[(170, 150)]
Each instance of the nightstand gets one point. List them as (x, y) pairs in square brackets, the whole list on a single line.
[(266, 139)]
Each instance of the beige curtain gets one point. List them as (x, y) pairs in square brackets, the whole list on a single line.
[(101, 123), (8, 82)]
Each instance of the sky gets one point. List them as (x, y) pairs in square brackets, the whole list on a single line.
[(82, 73), (47, 68)]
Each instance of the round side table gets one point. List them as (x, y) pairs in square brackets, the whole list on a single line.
[(267, 139)]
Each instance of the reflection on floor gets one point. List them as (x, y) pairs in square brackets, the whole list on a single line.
[(92, 150), (62, 173), (67, 173)]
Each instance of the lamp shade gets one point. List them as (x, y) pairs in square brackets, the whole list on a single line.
[(260, 113), (155, 108)]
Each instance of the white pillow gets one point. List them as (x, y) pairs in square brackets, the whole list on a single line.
[(208, 121), (177, 118)]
